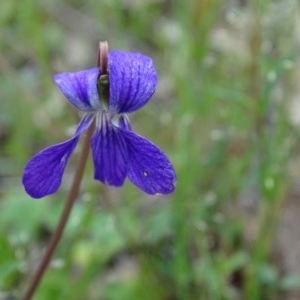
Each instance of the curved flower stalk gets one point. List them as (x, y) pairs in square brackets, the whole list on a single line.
[(117, 151)]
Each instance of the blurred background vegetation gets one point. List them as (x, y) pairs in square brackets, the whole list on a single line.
[(227, 113)]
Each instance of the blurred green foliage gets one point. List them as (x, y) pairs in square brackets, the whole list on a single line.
[(225, 114)]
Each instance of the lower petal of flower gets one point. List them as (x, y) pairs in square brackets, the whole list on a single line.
[(43, 172), (148, 167), (109, 153)]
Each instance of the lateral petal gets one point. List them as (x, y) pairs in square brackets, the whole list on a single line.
[(80, 88), (43, 173), (133, 80), (109, 153), (148, 166)]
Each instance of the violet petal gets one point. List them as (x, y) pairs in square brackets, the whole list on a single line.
[(148, 167), (80, 88), (109, 153), (124, 122), (133, 80), (43, 173)]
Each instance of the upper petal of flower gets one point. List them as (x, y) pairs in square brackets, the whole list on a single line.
[(148, 167), (109, 153), (43, 172), (80, 88), (132, 79)]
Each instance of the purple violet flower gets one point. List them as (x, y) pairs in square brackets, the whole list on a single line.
[(117, 151)]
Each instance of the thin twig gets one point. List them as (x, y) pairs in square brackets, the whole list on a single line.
[(65, 215)]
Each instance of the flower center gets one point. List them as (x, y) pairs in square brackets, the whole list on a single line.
[(105, 119)]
